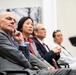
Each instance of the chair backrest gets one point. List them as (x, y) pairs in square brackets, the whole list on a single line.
[(65, 65)]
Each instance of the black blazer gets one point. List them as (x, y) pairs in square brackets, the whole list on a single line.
[(46, 55)]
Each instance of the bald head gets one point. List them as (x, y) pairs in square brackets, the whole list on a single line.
[(7, 22), (4, 14)]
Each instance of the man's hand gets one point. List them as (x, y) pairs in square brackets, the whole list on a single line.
[(57, 50), (17, 35), (51, 68)]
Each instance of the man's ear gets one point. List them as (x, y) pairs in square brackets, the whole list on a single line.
[(35, 33)]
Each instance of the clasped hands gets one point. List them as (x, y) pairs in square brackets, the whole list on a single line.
[(57, 50)]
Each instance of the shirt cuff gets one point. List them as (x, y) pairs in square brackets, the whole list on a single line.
[(24, 44)]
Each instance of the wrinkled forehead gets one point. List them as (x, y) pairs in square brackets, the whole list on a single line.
[(39, 26), (6, 14)]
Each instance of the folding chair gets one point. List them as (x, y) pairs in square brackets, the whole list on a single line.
[(65, 65)]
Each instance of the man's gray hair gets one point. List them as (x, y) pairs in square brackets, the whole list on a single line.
[(35, 27)]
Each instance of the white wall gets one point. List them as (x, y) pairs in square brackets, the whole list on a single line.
[(19, 3), (49, 19), (66, 20)]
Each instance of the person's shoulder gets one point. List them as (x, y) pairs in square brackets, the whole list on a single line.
[(33, 38), (2, 32)]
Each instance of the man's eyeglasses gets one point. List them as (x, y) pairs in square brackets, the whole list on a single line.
[(42, 29), (39, 29)]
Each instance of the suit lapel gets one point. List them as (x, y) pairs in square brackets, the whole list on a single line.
[(40, 46)]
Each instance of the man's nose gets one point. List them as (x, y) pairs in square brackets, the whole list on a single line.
[(12, 22)]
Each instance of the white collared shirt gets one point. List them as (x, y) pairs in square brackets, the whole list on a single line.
[(41, 41)]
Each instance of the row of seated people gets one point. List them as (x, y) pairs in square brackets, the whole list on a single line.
[(14, 50), (39, 33)]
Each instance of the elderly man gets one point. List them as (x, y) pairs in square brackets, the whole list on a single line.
[(39, 34), (11, 58)]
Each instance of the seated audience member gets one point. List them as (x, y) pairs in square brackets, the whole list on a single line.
[(39, 34), (65, 55), (25, 25), (11, 58)]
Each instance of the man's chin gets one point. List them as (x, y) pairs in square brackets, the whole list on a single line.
[(11, 31)]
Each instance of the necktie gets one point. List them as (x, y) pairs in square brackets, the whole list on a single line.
[(31, 50), (55, 64), (45, 47)]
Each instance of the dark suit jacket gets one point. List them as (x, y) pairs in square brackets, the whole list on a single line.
[(46, 55)]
